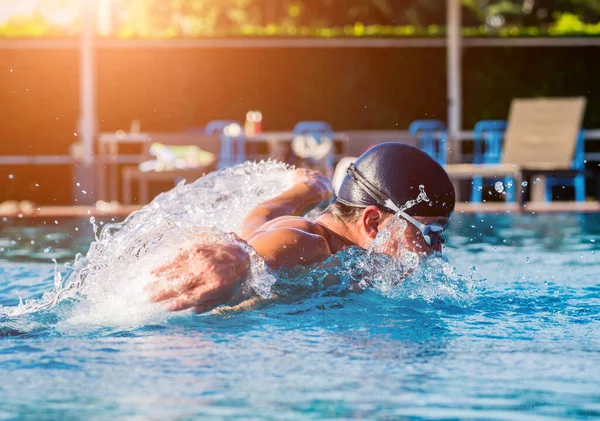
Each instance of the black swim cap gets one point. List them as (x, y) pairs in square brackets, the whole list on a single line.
[(397, 170)]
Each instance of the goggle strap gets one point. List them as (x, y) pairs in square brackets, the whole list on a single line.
[(371, 190)]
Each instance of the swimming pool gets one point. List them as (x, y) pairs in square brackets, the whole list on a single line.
[(525, 343)]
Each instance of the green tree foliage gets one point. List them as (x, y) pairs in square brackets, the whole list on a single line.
[(321, 18)]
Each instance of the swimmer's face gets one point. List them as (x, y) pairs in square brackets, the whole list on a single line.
[(403, 234)]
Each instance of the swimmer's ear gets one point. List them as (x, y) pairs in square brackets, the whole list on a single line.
[(371, 220)]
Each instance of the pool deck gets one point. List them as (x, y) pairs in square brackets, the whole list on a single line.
[(469, 208)]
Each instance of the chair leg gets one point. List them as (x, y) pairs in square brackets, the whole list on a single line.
[(476, 191), (241, 150), (579, 188), (126, 188), (144, 191), (509, 182), (548, 190)]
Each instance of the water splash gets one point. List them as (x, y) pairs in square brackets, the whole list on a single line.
[(387, 268), (107, 283), (106, 286)]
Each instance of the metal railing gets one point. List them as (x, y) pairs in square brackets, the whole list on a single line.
[(373, 136)]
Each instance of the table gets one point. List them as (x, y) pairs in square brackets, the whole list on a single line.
[(109, 158), (259, 145)]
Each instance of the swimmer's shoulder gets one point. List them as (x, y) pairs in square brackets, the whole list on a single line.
[(289, 241), (295, 222)]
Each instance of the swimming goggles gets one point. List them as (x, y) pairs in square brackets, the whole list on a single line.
[(432, 233)]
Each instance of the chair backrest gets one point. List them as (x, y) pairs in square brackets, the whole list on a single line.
[(316, 129), (217, 126), (431, 138), (543, 133), (488, 136)]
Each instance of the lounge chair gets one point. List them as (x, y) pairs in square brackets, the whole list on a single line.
[(541, 139)]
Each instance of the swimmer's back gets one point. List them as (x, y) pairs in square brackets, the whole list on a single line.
[(289, 241)]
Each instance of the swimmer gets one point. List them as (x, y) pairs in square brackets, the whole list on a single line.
[(375, 189)]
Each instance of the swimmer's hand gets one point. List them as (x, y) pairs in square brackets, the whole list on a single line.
[(202, 277), (320, 185)]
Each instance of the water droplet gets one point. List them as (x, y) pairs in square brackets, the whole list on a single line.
[(55, 222), (57, 276), (581, 256), (11, 70), (37, 185), (527, 259), (32, 242), (10, 176), (499, 186), (524, 183), (83, 191), (94, 227), (537, 180), (509, 184)]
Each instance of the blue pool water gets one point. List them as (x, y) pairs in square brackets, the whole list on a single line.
[(522, 342), (505, 327)]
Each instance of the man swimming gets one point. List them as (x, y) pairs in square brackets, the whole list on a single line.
[(376, 189)]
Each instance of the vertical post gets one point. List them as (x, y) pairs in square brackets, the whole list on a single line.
[(454, 77), (87, 101)]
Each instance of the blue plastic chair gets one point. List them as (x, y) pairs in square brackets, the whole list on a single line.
[(431, 136), (577, 181), (217, 126), (318, 130), (488, 136), (233, 148)]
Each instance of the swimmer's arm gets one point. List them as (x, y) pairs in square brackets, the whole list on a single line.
[(310, 189)]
